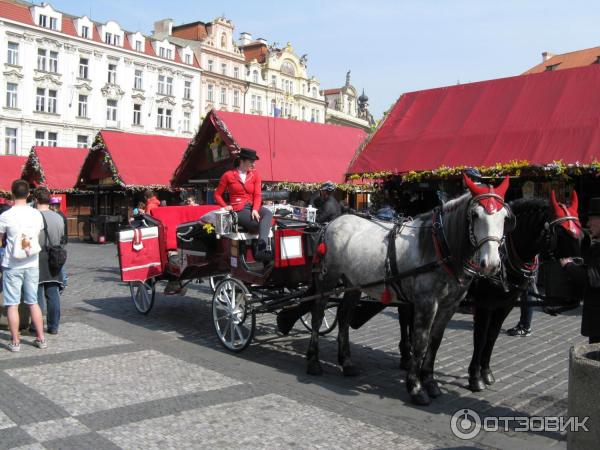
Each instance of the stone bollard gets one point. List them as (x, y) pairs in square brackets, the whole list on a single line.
[(584, 395)]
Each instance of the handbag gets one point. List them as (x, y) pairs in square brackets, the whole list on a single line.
[(57, 254)]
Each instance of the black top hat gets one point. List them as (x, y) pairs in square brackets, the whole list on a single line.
[(248, 153), (594, 209)]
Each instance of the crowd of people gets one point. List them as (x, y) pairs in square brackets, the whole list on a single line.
[(33, 234)]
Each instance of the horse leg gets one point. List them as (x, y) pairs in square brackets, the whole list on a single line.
[(423, 321), (344, 315), (498, 317), (312, 355), (440, 322), (405, 317), (481, 330)]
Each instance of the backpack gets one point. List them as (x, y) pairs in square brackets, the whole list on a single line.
[(57, 254)]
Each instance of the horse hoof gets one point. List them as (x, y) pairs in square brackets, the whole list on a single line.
[(420, 398), (314, 369), (476, 384), (350, 371), (404, 363), (488, 377), (433, 389)]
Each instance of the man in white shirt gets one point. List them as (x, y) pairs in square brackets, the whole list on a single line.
[(20, 267)]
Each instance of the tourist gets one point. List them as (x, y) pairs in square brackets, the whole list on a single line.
[(151, 201), (55, 202), (50, 279), (20, 265)]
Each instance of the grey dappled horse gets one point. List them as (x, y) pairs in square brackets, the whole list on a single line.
[(356, 254)]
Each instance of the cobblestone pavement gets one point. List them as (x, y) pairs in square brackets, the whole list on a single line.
[(113, 378)]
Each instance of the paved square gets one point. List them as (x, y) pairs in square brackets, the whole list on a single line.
[(55, 429), (73, 336), (5, 422), (268, 422), (96, 384)]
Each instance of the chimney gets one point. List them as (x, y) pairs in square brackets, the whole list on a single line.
[(245, 38), (546, 56), (163, 27)]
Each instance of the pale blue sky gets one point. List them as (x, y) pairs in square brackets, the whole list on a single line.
[(391, 46)]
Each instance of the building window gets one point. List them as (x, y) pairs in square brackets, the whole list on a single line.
[(314, 92), (188, 58), (236, 72), (210, 65), (253, 103), (48, 22), (52, 139), (82, 106), (304, 113), (223, 40), (187, 117), (165, 85), (82, 141), (45, 100), (11, 95), (111, 110), (40, 100), (53, 62), (138, 46), (112, 74), (164, 118), (40, 138), (209, 93), (552, 67), (161, 84), (223, 96), (10, 141), (255, 76), (112, 39), (43, 21), (165, 53), (236, 99), (223, 69), (83, 68), (85, 32), (317, 115), (273, 81), (41, 60), (13, 54), (187, 90), (137, 114), (259, 103), (169, 86), (273, 106), (137, 81)]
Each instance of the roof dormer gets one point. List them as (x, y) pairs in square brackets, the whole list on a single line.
[(84, 27), (164, 49), (112, 34), (137, 41), (45, 16), (187, 55)]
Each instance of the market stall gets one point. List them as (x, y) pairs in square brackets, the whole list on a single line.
[(10, 170)]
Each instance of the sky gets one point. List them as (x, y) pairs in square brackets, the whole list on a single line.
[(391, 47)]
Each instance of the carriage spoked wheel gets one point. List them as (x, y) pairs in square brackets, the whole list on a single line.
[(327, 325), (143, 294), (233, 320), (214, 281)]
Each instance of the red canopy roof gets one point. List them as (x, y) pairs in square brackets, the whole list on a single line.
[(57, 168), (540, 118), (289, 150), (10, 170), (139, 159)]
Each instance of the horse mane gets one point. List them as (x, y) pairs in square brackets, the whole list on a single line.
[(456, 227)]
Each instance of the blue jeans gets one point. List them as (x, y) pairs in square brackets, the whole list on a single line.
[(526, 312), (20, 281), (49, 295)]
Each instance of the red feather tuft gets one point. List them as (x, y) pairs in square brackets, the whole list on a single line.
[(321, 249), (386, 296)]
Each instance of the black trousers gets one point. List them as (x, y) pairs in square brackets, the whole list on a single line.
[(263, 226)]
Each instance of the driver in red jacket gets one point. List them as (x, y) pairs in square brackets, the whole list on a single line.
[(245, 198)]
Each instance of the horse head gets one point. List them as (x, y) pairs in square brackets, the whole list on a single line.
[(564, 232), (488, 214)]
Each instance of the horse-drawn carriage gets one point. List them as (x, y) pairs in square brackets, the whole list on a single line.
[(183, 244)]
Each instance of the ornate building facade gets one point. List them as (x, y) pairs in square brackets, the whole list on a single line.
[(65, 78), (223, 82), (278, 82), (346, 107)]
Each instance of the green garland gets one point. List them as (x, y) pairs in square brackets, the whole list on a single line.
[(311, 187)]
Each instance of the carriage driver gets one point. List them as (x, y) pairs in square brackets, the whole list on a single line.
[(245, 198), (330, 208)]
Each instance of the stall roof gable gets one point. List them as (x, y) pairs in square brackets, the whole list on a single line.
[(539, 118), (57, 167), (11, 169)]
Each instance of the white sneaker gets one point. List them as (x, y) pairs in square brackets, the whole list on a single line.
[(40, 344), (14, 347)]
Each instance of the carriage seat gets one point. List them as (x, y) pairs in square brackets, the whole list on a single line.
[(172, 216)]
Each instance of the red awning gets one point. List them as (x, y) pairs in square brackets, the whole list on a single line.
[(11, 168), (143, 159), (293, 150), (540, 118), (58, 166)]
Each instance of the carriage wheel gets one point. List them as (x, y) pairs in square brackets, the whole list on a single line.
[(327, 325), (234, 322), (214, 281), (143, 294)]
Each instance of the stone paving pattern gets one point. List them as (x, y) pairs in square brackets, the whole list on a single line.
[(113, 379)]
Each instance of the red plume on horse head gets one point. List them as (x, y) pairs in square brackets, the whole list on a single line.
[(490, 204), (561, 211)]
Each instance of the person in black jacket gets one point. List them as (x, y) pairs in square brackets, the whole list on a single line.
[(330, 208), (588, 276)]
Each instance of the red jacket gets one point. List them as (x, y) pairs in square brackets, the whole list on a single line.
[(152, 203), (240, 193)]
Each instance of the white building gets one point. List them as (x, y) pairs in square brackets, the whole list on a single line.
[(346, 107), (64, 78), (278, 82)]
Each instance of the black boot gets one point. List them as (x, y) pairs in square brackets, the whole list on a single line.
[(262, 253), (487, 376)]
